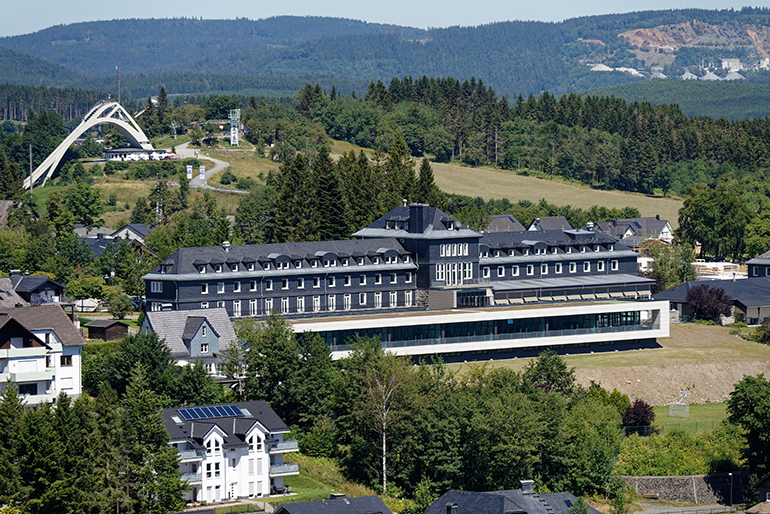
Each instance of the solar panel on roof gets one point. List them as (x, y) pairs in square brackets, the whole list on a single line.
[(220, 411)]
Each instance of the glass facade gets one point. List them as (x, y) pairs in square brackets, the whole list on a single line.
[(447, 333)]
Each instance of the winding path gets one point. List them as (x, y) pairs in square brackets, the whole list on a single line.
[(184, 152)]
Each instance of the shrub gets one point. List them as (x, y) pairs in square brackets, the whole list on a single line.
[(639, 414), (227, 177), (709, 303)]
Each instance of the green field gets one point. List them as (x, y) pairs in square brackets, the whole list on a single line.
[(498, 184), (702, 417)]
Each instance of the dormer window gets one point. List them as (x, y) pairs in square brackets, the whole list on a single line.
[(298, 264), (250, 266), (218, 268), (611, 248), (525, 252), (388, 224), (554, 250), (314, 263), (202, 268), (234, 267), (344, 262), (360, 261), (164, 269), (375, 260), (597, 248), (399, 225), (407, 259), (511, 253), (569, 249), (497, 253), (582, 249), (267, 266), (450, 225)]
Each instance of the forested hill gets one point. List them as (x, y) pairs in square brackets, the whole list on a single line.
[(696, 98), (152, 45), (23, 69), (512, 57)]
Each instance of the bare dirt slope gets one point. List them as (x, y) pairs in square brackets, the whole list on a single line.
[(703, 360)]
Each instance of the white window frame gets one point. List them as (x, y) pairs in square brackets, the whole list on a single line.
[(501, 271), (205, 288), (316, 304), (407, 298), (544, 269), (377, 300), (253, 307), (346, 301), (217, 268), (220, 288), (393, 299), (268, 305), (236, 287), (378, 279), (331, 281), (331, 302), (346, 281), (204, 305), (485, 272), (284, 284), (393, 278), (361, 298), (573, 267), (514, 271), (156, 287), (253, 285), (269, 284), (586, 266), (530, 269), (316, 282), (237, 308), (614, 265), (599, 265), (284, 305), (557, 268), (300, 304)]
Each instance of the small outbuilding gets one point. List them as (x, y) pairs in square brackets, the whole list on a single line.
[(107, 329)]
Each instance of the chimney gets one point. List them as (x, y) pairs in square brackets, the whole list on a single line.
[(526, 486), (226, 246), (15, 273), (336, 496), (418, 218), (403, 201), (451, 508), (590, 225), (657, 217)]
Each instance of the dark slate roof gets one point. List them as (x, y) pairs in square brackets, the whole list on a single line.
[(763, 259), (750, 292), (235, 427), (435, 225), (550, 223), (500, 502), (345, 505), (551, 237), (504, 223), (641, 227), (32, 283), (96, 244), (171, 326), (137, 228), (48, 316), (185, 260), (105, 323), (192, 326), (8, 297)]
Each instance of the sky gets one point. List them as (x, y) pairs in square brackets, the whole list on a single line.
[(22, 18)]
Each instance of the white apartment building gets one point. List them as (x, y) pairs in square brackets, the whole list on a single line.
[(230, 451)]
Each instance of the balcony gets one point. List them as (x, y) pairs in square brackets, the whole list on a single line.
[(185, 455), (285, 446), (35, 376), (284, 470), (192, 478)]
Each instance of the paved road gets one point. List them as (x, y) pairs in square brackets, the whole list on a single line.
[(184, 152), (652, 508)]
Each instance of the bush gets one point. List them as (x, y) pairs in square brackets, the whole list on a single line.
[(709, 303), (227, 178), (639, 414)]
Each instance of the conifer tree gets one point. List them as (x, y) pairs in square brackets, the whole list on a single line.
[(361, 193), (295, 205), (11, 412), (399, 168), (427, 190), (332, 209), (10, 178)]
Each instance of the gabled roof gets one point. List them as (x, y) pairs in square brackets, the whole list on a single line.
[(500, 502), (504, 223), (31, 283), (137, 228), (48, 316), (7, 321), (193, 325), (172, 326), (233, 427), (105, 323), (763, 259), (344, 505), (550, 223), (420, 221), (8, 297)]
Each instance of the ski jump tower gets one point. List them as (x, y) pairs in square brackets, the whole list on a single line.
[(104, 112)]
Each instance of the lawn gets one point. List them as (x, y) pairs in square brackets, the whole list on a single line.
[(702, 417), (498, 184)]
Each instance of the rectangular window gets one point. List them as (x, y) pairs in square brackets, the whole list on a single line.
[(330, 281), (268, 285), (234, 268), (237, 308), (252, 307), (204, 288), (250, 266), (208, 466), (754, 268), (500, 271), (217, 268), (600, 266), (313, 264), (586, 266), (298, 264), (316, 282), (203, 330), (300, 283), (284, 283), (485, 272), (253, 285), (221, 304), (360, 261), (236, 287), (378, 279), (362, 280), (251, 467), (316, 303), (301, 304), (155, 306), (361, 298), (572, 267), (284, 305), (216, 469), (347, 280), (393, 299), (204, 348), (544, 269), (156, 287), (614, 265), (331, 302), (344, 262), (220, 287), (441, 251), (557, 267), (202, 268), (407, 298), (377, 300), (346, 302), (204, 305), (393, 278), (268, 305), (267, 266), (530, 269), (65, 360)]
